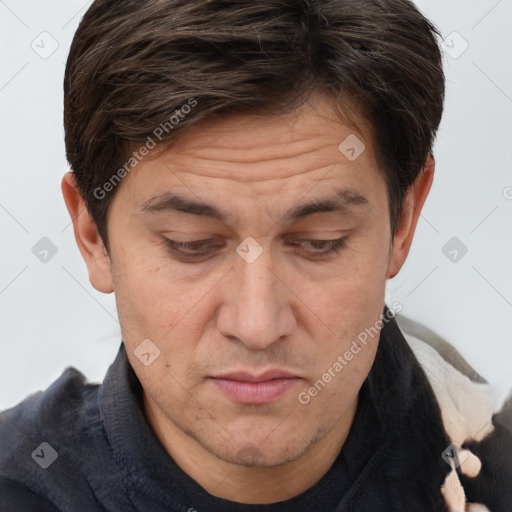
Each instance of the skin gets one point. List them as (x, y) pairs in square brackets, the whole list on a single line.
[(287, 309)]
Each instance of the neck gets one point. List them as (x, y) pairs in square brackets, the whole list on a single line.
[(251, 485)]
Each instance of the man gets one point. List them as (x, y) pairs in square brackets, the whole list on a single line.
[(246, 177)]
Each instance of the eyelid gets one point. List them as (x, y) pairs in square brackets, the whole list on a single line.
[(181, 243), (334, 246)]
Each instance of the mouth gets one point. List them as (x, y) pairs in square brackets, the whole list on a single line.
[(251, 389)]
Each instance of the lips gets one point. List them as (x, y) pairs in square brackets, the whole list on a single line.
[(251, 389), (249, 377)]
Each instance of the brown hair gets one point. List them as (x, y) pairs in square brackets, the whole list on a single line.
[(136, 66)]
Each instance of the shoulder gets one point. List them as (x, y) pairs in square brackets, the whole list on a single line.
[(15, 495), (49, 413), (43, 438), (477, 418), (42, 411)]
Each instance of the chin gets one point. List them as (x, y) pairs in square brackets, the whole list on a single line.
[(260, 453)]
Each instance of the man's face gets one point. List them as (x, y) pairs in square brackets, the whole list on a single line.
[(221, 307)]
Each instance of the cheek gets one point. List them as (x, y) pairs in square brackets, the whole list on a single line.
[(157, 299), (326, 398), (143, 273), (349, 293), (365, 278)]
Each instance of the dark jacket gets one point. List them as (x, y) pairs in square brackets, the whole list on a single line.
[(86, 447)]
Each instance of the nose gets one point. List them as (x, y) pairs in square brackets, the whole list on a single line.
[(256, 309)]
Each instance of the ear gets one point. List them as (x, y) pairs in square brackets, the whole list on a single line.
[(87, 236), (413, 203)]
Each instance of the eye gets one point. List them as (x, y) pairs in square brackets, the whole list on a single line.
[(201, 248), (322, 247), (193, 249)]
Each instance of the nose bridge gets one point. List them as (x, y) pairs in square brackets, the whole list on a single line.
[(257, 283), (256, 310)]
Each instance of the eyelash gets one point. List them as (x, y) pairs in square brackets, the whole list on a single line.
[(334, 246)]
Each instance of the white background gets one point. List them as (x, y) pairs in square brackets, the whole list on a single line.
[(51, 317)]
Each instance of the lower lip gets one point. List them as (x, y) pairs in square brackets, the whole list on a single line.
[(255, 393)]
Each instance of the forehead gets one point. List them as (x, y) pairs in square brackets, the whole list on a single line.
[(266, 154), (245, 139)]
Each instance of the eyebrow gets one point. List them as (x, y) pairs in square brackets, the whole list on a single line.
[(342, 201)]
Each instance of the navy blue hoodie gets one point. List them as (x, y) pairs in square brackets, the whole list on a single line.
[(83, 447)]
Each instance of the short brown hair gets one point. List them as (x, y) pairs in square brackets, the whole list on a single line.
[(133, 64)]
